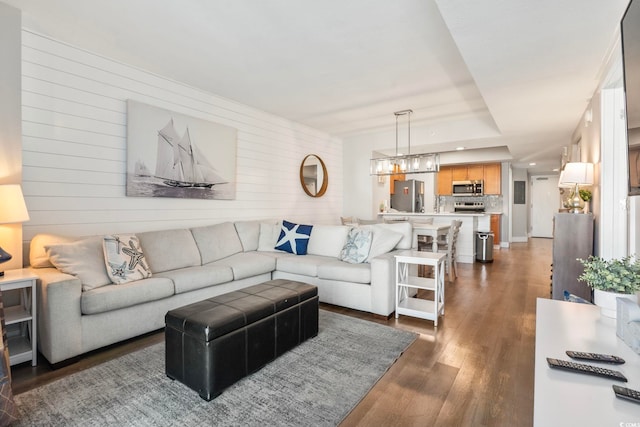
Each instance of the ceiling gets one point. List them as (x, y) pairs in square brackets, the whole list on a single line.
[(522, 70)]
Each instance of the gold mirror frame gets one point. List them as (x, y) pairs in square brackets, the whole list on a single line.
[(305, 184)]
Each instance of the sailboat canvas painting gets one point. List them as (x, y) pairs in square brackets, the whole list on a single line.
[(174, 155)]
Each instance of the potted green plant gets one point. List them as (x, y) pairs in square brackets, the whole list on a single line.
[(586, 196), (611, 279)]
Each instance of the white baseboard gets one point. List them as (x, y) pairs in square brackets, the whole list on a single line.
[(465, 259), (521, 239)]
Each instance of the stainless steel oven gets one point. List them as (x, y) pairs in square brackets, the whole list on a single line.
[(468, 207), (468, 188)]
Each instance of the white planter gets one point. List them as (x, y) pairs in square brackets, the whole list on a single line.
[(607, 301)]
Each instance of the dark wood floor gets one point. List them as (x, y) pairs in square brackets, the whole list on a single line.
[(476, 369)]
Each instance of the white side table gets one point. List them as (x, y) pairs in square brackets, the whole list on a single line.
[(22, 347), (407, 279)]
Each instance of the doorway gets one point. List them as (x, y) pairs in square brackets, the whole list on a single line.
[(545, 201)]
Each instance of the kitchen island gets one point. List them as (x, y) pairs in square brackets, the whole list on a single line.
[(465, 252), (471, 223)]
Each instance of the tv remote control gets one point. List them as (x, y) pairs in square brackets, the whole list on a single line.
[(627, 393), (585, 369), (596, 357)]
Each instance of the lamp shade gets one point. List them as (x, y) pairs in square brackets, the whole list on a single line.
[(12, 206), (577, 173), (561, 183)]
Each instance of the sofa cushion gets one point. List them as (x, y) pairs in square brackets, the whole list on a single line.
[(202, 276), (249, 234), (83, 258), (294, 238), (217, 241), (404, 228), (356, 250), (328, 240), (345, 272), (124, 259), (383, 241), (114, 297), (169, 249), (269, 233), (38, 257), (248, 264), (306, 265)]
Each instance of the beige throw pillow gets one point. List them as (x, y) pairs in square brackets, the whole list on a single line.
[(38, 257), (83, 259), (268, 237), (383, 241)]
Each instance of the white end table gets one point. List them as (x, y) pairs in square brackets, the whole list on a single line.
[(407, 279), (22, 347)]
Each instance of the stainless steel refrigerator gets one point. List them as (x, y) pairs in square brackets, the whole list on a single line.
[(408, 196)]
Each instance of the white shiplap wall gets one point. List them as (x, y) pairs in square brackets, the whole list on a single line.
[(74, 150)]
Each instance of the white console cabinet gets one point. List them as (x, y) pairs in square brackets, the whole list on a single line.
[(564, 398), (572, 239)]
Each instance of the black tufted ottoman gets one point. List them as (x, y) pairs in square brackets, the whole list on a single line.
[(213, 343)]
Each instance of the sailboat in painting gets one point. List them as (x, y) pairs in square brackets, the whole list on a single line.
[(181, 164), (141, 169)]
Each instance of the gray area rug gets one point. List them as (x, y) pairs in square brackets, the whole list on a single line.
[(316, 384)]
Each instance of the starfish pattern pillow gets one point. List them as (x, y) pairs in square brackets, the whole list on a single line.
[(294, 238), (356, 250), (124, 259)]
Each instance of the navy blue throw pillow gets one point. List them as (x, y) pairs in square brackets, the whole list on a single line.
[(568, 296), (294, 238)]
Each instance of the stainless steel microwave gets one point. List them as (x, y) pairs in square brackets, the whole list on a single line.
[(467, 188)]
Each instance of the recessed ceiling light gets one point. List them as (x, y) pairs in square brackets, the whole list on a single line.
[(556, 169), (459, 148), (532, 164)]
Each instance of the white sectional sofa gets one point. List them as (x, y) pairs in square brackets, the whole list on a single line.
[(80, 310)]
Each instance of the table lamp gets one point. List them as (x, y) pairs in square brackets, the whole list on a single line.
[(576, 174), (13, 210)]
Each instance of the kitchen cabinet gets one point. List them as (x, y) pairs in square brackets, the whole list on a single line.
[(393, 179), (495, 229), (490, 173), (467, 173), (445, 178), (397, 176), (475, 172), (459, 173), (492, 178)]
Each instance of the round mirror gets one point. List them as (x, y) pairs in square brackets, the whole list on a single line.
[(313, 176)]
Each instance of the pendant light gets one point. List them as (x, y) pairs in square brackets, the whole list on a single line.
[(408, 163)]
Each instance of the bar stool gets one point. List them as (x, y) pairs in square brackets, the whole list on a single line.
[(449, 247)]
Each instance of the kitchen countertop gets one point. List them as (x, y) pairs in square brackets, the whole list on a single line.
[(440, 213)]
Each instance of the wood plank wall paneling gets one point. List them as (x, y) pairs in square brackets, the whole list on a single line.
[(74, 150)]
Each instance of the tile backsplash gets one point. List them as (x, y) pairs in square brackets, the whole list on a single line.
[(492, 203)]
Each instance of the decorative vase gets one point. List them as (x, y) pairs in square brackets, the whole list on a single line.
[(607, 301)]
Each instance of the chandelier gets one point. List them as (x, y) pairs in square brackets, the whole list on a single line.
[(407, 163)]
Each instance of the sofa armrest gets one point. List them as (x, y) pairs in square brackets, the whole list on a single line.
[(59, 315), (383, 284)]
